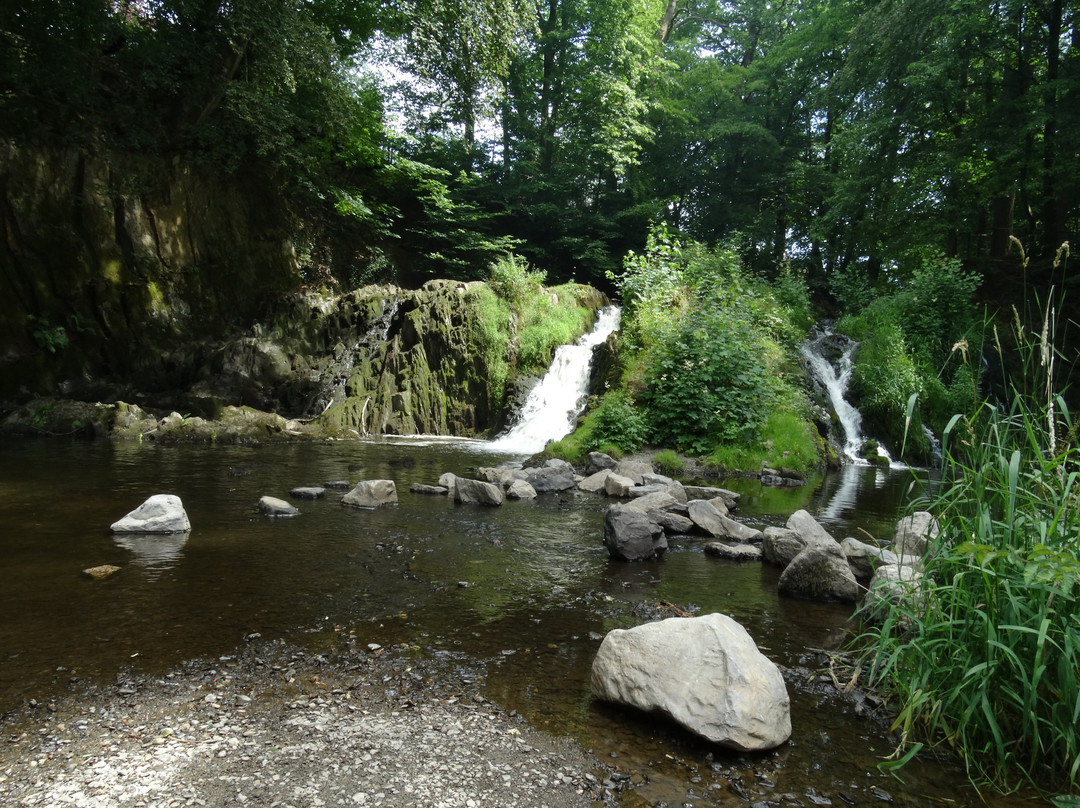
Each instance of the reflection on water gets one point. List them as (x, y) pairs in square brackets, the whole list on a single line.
[(517, 596)]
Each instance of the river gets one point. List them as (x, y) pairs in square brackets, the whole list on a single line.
[(517, 597)]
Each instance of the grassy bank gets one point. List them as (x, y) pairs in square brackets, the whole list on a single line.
[(983, 661)]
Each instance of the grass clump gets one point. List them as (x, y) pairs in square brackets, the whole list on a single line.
[(984, 661)]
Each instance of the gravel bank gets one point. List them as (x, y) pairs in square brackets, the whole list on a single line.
[(276, 726)]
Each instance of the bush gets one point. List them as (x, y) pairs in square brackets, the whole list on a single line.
[(616, 422)]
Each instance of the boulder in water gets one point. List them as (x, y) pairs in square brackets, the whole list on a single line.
[(101, 572), (615, 485), (733, 552), (161, 513), (308, 492), (555, 475), (780, 545), (477, 492), (519, 489), (819, 572), (272, 506), (630, 535), (705, 672), (372, 494), (594, 483), (913, 533)]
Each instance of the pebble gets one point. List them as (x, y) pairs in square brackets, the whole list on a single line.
[(244, 736)]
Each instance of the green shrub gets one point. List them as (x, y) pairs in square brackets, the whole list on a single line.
[(491, 336), (668, 462), (617, 422), (511, 279)]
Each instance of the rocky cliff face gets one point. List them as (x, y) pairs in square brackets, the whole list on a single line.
[(113, 268)]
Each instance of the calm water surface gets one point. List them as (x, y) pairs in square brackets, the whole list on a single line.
[(518, 596)]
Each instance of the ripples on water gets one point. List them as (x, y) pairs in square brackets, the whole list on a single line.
[(520, 595)]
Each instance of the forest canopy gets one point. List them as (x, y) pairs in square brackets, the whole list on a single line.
[(422, 138)]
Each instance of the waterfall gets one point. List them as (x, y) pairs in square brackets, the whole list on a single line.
[(552, 408), (829, 357)]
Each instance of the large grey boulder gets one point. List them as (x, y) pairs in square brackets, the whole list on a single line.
[(477, 492), (893, 584), (913, 533), (709, 518), (555, 475), (809, 530), (519, 489), (630, 535), (371, 494), (655, 501), (779, 545), (615, 485), (819, 572), (594, 483), (161, 513), (634, 469), (705, 672), (598, 461)]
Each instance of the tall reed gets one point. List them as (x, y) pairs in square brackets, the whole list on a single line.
[(985, 659)]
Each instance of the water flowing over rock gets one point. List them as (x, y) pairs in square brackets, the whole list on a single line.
[(552, 408), (706, 673), (161, 513)]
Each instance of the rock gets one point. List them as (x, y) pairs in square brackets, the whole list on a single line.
[(708, 518), (594, 483), (705, 672), (558, 477), (446, 480), (914, 532), (598, 461), (372, 494), (819, 572), (272, 506), (308, 492), (618, 486), (634, 469), (779, 545), (519, 489), (731, 499), (337, 485), (892, 584), (808, 529), (671, 522), (477, 492), (161, 513), (733, 552), (101, 572), (631, 536), (656, 501), (430, 490), (864, 558)]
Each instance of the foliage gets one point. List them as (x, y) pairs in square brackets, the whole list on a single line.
[(617, 422), (513, 280), (668, 462), (491, 335), (984, 659), (50, 337)]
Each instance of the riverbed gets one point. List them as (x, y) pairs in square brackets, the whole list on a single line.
[(514, 599)]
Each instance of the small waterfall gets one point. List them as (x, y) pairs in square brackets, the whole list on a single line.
[(552, 408), (829, 357)]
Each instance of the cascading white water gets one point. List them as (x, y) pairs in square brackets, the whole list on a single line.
[(553, 406), (834, 376)]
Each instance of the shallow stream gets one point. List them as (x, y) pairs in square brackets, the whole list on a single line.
[(516, 597)]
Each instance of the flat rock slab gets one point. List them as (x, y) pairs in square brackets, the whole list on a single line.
[(337, 485), (733, 552), (706, 673), (429, 490), (161, 513), (272, 506)]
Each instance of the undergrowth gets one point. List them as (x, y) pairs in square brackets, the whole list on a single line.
[(984, 660)]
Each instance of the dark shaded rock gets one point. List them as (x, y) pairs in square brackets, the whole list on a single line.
[(308, 492), (598, 461), (430, 490), (631, 536), (819, 572), (733, 552), (779, 545)]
